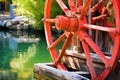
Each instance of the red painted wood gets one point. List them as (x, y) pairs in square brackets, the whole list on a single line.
[(75, 22)]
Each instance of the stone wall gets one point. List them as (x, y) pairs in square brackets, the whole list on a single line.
[(18, 23)]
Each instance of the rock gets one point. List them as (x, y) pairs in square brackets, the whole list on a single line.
[(9, 24), (25, 20), (4, 23), (13, 27), (25, 26), (21, 22), (15, 21), (18, 23), (19, 27), (0, 23)]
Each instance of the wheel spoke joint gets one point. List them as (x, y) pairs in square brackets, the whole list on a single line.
[(108, 66), (82, 35), (117, 32)]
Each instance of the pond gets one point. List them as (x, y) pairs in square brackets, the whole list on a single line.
[(19, 51)]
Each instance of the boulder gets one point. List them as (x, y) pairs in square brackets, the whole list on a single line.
[(25, 20), (4, 23), (15, 21), (25, 26), (13, 27), (9, 24), (19, 27)]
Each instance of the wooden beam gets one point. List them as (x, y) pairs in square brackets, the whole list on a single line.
[(56, 73)]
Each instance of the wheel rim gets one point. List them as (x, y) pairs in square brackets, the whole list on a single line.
[(80, 30)]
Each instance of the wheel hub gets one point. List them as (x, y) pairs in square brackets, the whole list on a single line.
[(69, 24)]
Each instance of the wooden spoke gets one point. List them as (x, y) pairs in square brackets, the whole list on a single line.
[(97, 51), (89, 61), (65, 45), (100, 28), (72, 4), (85, 7), (64, 8), (53, 45)]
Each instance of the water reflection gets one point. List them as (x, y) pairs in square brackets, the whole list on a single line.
[(18, 53)]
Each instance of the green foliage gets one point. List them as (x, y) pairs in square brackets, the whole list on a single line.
[(34, 9), (2, 0)]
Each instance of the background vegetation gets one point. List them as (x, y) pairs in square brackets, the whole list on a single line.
[(34, 10)]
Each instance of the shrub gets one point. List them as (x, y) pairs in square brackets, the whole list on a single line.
[(34, 10)]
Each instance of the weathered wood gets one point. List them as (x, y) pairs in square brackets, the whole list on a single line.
[(47, 70), (40, 76), (95, 57), (76, 44), (77, 61)]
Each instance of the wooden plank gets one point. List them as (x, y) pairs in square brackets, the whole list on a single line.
[(95, 57), (57, 74), (77, 61)]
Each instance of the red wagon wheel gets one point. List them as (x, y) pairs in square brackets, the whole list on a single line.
[(75, 22)]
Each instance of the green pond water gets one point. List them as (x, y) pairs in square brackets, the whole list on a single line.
[(19, 51)]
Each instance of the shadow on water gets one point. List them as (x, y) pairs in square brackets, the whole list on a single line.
[(19, 51)]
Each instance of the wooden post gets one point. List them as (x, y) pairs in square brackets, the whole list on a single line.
[(76, 44)]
